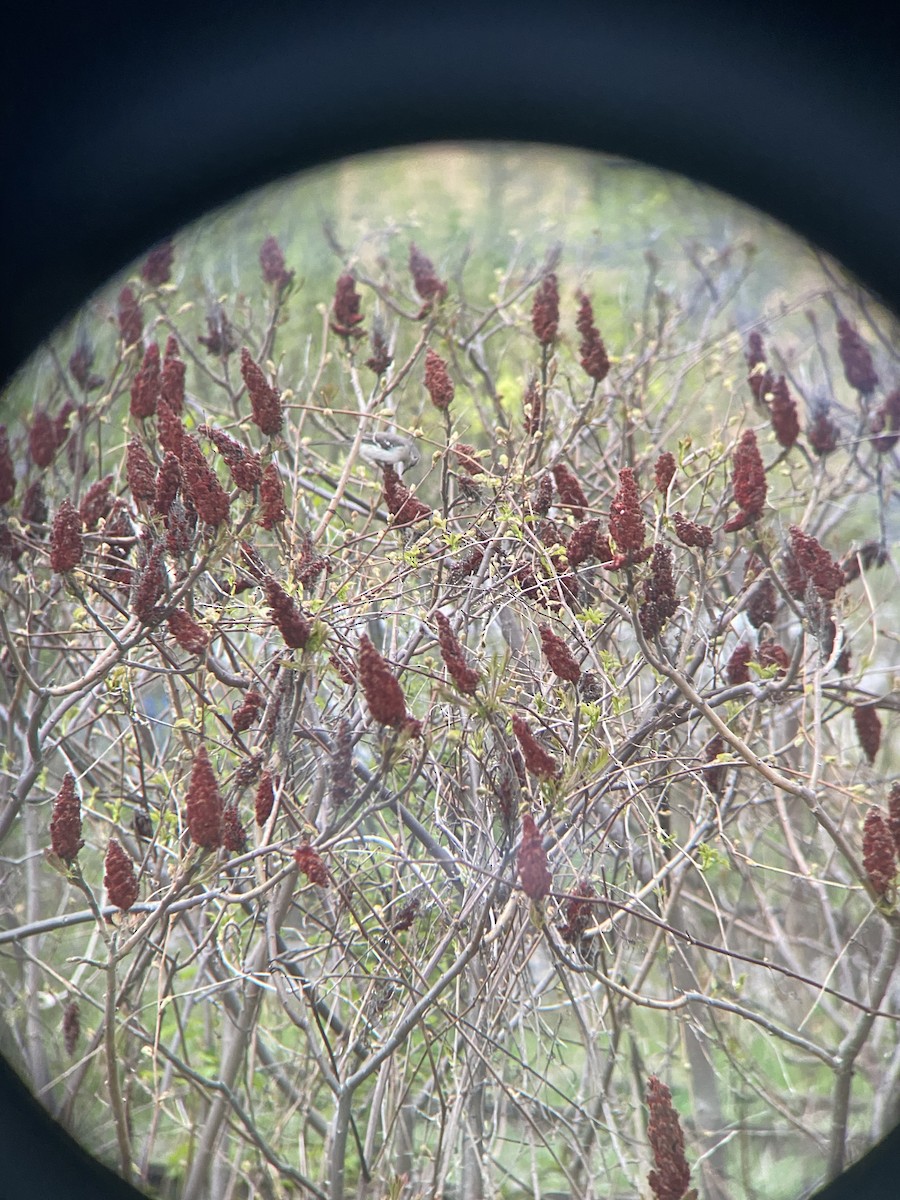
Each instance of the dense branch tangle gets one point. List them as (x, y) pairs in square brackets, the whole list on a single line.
[(358, 994)]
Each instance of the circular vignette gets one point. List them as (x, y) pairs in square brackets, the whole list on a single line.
[(113, 148)]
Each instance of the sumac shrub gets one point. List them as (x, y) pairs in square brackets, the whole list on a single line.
[(444, 657)]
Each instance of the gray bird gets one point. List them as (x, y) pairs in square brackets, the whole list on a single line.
[(384, 449)]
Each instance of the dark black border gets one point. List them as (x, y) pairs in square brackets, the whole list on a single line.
[(121, 123), (124, 122)]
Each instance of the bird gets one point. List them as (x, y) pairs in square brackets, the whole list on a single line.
[(385, 449)]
